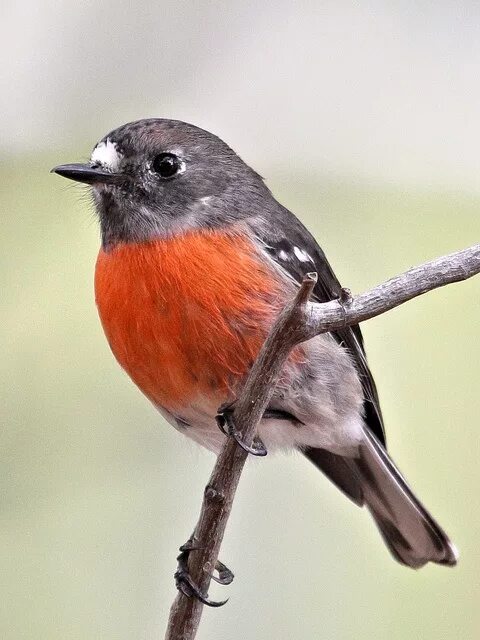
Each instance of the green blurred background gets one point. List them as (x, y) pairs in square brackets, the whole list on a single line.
[(364, 121)]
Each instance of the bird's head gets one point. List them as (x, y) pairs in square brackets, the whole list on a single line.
[(154, 178)]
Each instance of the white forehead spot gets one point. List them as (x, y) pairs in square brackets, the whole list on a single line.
[(301, 255), (106, 154)]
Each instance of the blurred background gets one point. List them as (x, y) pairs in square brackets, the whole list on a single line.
[(364, 119)]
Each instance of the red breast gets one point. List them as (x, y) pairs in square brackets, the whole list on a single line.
[(186, 315)]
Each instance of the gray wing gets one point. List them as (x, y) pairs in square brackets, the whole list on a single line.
[(294, 250)]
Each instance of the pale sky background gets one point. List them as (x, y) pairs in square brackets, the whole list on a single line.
[(373, 90)]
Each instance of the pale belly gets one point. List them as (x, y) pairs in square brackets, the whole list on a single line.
[(323, 393)]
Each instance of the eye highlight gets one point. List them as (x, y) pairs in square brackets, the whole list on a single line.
[(167, 165)]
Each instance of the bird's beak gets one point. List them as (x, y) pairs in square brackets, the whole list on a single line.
[(86, 173)]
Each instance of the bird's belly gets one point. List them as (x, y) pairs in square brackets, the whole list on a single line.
[(183, 320), (186, 323)]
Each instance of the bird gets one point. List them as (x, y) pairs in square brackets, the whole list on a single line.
[(197, 259)]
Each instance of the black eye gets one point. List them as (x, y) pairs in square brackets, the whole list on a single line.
[(166, 165)]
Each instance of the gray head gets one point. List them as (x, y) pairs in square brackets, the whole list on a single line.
[(158, 177)]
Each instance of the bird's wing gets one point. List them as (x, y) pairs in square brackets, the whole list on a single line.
[(295, 251)]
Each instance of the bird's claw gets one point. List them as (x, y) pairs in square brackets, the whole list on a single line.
[(227, 426), (185, 583), (224, 575)]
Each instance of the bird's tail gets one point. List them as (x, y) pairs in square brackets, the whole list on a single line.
[(410, 532)]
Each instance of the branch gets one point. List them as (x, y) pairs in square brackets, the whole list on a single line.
[(299, 321)]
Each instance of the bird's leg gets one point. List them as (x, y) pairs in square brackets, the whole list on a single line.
[(226, 425), (185, 583)]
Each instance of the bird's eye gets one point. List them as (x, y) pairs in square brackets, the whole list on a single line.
[(166, 165)]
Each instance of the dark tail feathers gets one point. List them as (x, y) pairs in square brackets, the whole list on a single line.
[(410, 532)]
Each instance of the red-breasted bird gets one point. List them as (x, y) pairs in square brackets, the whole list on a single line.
[(197, 259)]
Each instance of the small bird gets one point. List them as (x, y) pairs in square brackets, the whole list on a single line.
[(197, 258)]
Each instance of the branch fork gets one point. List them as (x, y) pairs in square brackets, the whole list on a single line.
[(300, 320)]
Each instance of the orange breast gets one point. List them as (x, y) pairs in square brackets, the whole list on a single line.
[(186, 316)]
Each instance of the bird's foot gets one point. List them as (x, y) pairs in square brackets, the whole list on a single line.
[(226, 425), (185, 583)]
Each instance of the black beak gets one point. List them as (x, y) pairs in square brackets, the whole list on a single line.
[(86, 173)]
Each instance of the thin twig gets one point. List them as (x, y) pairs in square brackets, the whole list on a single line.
[(299, 321)]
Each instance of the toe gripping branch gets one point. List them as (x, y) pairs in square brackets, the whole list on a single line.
[(185, 583), (226, 425), (183, 580)]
